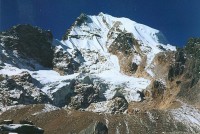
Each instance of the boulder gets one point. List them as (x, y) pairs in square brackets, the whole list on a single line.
[(157, 89), (95, 128), (118, 105), (85, 94), (21, 129)]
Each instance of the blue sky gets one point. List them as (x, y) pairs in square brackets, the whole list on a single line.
[(177, 19)]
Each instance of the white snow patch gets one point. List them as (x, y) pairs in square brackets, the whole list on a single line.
[(15, 126), (11, 70), (46, 77), (49, 76), (5, 108), (128, 85), (127, 128), (100, 107), (47, 108), (188, 115), (137, 59), (151, 117)]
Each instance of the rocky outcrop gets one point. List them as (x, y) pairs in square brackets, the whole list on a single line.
[(179, 75), (118, 105), (64, 63), (79, 21), (178, 67), (124, 48), (157, 89), (20, 89), (62, 95), (84, 93), (161, 65), (189, 82), (29, 42)]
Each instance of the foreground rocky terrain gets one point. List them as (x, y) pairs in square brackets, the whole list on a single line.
[(107, 75), (70, 121)]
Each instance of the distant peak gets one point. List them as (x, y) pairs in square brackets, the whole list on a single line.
[(82, 15), (101, 14), (81, 19)]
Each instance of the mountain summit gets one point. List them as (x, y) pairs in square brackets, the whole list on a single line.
[(113, 48), (104, 64)]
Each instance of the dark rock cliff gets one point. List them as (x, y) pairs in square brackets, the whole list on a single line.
[(30, 42)]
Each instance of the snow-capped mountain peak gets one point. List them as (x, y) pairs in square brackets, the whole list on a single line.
[(97, 33), (113, 48), (117, 51)]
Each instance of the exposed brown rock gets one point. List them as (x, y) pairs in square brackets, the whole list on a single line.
[(69, 121), (123, 48), (64, 63), (162, 63)]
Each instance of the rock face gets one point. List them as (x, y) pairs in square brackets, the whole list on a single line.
[(158, 88), (30, 42), (64, 63), (83, 96), (20, 89), (188, 59), (112, 66), (118, 105), (79, 21), (124, 46)]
